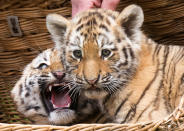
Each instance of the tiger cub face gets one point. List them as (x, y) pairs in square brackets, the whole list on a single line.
[(35, 93), (44, 95), (100, 47)]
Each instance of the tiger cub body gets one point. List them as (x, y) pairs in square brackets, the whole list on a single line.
[(154, 91), (110, 59), (42, 93)]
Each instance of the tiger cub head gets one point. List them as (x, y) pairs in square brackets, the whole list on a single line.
[(42, 93), (100, 47)]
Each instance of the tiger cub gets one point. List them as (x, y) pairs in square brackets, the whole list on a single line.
[(44, 95), (112, 60)]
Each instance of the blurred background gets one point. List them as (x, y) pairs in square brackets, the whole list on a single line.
[(164, 23)]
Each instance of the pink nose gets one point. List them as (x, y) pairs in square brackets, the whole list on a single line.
[(59, 74), (92, 82)]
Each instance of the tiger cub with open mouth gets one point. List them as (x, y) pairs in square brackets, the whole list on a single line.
[(44, 95)]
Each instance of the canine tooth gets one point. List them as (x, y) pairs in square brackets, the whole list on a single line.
[(54, 106), (56, 84), (50, 88)]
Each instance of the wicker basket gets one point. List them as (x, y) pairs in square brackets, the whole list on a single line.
[(164, 22)]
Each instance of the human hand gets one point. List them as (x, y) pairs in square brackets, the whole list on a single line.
[(109, 4), (82, 5)]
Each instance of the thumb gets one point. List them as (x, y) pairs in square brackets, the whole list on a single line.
[(97, 3)]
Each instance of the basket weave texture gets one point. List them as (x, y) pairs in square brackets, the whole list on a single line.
[(164, 22)]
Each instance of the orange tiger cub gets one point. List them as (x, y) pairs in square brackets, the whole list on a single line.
[(111, 60), (45, 96)]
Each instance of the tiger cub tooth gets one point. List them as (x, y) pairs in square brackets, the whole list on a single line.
[(50, 88), (68, 105), (54, 106)]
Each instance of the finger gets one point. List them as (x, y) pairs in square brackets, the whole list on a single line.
[(110, 4), (97, 3)]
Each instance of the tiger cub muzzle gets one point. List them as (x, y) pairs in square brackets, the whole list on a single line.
[(93, 73)]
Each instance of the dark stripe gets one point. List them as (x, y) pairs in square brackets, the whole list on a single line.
[(122, 103), (91, 22), (123, 64), (102, 43), (103, 114), (79, 27), (182, 78), (102, 26), (52, 49), (88, 23), (72, 44), (114, 69), (131, 53), (42, 115), (36, 108), (99, 15), (108, 22), (79, 21), (92, 13), (99, 118), (114, 49), (27, 88), (125, 52), (111, 15), (43, 100), (119, 40), (180, 58), (20, 90), (32, 107), (70, 71), (45, 59), (142, 95), (94, 36), (140, 115), (44, 75), (165, 57), (156, 51), (27, 94), (68, 37), (85, 36), (158, 92), (22, 101), (31, 83), (106, 99)]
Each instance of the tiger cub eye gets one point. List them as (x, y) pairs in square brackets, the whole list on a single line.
[(77, 54), (42, 66), (105, 53)]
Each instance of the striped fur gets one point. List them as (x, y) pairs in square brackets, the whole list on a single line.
[(28, 93), (154, 91), (90, 33), (141, 80)]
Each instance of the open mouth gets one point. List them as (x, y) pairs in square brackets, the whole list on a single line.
[(60, 99), (56, 96)]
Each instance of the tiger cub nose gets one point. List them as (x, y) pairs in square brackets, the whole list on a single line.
[(92, 82), (59, 74)]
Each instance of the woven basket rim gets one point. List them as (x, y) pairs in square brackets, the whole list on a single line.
[(172, 118)]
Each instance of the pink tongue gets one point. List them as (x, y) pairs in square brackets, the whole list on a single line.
[(60, 100)]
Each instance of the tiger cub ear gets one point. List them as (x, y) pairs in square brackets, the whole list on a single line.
[(57, 25), (131, 19)]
